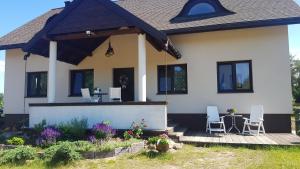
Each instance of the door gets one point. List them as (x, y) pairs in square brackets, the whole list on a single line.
[(124, 78)]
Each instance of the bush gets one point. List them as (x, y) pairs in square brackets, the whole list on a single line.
[(18, 155), (83, 146), (153, 140), (103, 131), (137, 128), (128, 135), (64, 152), (38, 128), (16, 141), (49, 136), (74, 130)]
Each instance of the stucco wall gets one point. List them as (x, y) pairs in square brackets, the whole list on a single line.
[(266, 47)]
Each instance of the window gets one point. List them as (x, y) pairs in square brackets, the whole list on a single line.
[(235, 77), (174, 81), (37, 84), (81, 79), (201, 8)]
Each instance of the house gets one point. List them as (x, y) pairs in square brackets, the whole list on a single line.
[(172, 58)]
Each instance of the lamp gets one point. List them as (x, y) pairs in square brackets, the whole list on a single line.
[(110, 51)]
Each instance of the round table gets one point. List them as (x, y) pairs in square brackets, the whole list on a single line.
[(233, 122)]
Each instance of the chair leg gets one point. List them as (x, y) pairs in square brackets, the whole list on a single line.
[(209, 127), (258, 130), (244, 128), (224, 127), (249, 129), (206, 126), (263, 128)]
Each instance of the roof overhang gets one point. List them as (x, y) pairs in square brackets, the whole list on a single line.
[(110, 19)]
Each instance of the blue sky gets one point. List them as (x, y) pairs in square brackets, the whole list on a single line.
[(14, 13)]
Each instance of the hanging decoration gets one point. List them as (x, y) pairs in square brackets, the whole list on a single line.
[(110, 51)]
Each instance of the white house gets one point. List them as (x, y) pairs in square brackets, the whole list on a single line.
[(172, 58)]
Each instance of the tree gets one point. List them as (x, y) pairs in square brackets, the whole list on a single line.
[(295, 71), (1, 101)]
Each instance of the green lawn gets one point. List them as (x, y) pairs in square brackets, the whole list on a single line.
[(194, 157)]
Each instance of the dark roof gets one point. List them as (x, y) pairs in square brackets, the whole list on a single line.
[(158, 13), (94, 15)]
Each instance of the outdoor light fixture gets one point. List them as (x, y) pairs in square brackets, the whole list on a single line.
[(26, 56), (89, 33), (110, 51)]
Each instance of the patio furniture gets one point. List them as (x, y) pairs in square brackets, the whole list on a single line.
[(115, 94), (99, 94), (213, 118), (87, 96), (233, 122), (256, 120)]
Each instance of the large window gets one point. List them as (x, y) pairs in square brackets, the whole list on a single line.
[(201, 8), (235, 77), (172, 79), (37, 84), (81, 79)]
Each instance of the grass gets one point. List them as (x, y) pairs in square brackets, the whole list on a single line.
[(193, 157)]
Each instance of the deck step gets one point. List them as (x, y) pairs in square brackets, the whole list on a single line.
[(171, 127), (177, 133)]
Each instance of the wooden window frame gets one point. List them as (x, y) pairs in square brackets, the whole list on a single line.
[(172, 92), (71, 94), (39, 95), (233, 66)]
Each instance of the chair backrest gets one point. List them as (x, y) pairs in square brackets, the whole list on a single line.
[(86, 94), (257, 113), (115, 93), (212, 114)]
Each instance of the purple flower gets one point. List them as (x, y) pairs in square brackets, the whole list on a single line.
[(92, 139), (103, 131), (50, 133)]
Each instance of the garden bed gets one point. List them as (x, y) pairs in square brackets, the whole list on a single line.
[(134, 148)]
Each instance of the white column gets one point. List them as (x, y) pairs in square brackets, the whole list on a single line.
[(142, 68), (52, 71)]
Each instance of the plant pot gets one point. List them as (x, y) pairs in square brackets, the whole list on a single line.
[(162, 148)]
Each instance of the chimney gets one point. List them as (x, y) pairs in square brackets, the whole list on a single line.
[(67, 3)]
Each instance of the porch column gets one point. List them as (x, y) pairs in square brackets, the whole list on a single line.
[(142, 68), (52, 71)]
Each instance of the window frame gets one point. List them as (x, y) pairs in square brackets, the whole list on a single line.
[(233, 66), (172, 92), (184, 16), (39, 95), (71, 94)]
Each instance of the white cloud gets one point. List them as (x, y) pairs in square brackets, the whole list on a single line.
[(2, 66), (295, 52)]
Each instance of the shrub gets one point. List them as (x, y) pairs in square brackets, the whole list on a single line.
[(38, 128), (128, 135), (74, 130), (83, 146), (137, 128), (103, 131), (64, 152), (16, 141), (18, 155), (49, 136), (153, 140)]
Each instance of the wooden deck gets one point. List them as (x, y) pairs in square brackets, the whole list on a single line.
[(284, 139)]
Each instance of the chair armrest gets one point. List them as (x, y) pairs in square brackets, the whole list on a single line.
[(222, 118), (246, 119)]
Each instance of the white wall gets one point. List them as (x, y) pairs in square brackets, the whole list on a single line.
[(155, 116), (266, 47)]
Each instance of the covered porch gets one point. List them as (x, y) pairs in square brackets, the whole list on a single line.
[(75, 41)]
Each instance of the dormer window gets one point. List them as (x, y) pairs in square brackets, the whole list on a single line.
[(201, 9)]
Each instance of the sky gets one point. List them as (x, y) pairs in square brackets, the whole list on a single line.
[(15, 13)]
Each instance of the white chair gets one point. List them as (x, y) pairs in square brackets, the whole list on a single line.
[(213, 118), (115, 94), (87, 96), (256, 120)]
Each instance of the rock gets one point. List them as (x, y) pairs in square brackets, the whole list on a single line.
[(152, 147), (171, 143)]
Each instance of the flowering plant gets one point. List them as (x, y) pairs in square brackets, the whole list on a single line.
[(137, 128), (128, 135), (49, 135), (232, 111), (103, 131)]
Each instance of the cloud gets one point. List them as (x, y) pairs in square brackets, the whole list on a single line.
[(2, 66)]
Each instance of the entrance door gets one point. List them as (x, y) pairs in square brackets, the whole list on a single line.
[(124, 78)]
